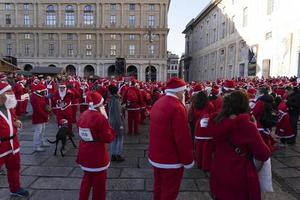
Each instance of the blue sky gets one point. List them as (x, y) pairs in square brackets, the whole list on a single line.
[(180, 13)]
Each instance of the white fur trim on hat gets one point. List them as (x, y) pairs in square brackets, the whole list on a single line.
[(226, 88), (6, 88), (180, 89), (99, 104)]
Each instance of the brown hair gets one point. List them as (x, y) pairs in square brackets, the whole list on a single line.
[(235, 103)]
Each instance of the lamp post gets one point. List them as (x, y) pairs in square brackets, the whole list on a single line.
[(150, 37)]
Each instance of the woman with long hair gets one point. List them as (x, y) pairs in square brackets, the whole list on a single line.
[(236, 141)]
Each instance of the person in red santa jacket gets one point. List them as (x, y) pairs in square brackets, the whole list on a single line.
[(40, 116), (9, 142), (83, 100), (21, 95), (233, 175), (284, 128), (170, 143), (62, 103), (203, 142), (132, 99), (93, 158)]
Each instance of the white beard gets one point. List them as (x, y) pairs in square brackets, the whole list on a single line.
[(10, 102), (103, 112), (62, 94), (183, 99)]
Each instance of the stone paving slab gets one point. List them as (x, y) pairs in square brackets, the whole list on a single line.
[(125, 184), (290, 161), (124, 195), (193, 196), (26, 181), (136, 173), (48, 171), (128, 163), (57, 161), (57, 183), (186, 185), (287, 172), (294, 183), (55, 195)]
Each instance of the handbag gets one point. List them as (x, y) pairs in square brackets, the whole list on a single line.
[(264, 169)]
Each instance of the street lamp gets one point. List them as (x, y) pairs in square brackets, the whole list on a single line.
[(150, 36)]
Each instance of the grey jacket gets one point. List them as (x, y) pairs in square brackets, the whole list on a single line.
[(114, 113)]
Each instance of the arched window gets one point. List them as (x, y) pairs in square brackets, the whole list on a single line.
[(70, 16), (88, 17), (51, 15)]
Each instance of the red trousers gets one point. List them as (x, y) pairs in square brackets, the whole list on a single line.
[(133, 121), (143, 115), (19, 108), (95, 180), (24, 106), (12, 163), (204, 149), (167, 183)]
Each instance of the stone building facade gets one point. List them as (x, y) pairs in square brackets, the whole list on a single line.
[(232, 38), (172, 65), (86, 37)]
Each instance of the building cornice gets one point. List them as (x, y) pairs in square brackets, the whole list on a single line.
[(211, 5)]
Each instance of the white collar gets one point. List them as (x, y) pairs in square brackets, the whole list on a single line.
[(172, 95)]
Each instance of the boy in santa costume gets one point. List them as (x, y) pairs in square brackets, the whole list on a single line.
[(9, 142), (170, 142), (40, 116), (93, 158)]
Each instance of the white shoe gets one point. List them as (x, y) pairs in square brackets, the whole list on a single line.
[(38, 149), (45, 144)]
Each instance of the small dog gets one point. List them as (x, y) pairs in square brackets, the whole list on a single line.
[(62, 135)]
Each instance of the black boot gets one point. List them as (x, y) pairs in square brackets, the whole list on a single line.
[(113, 158), (120, 158)]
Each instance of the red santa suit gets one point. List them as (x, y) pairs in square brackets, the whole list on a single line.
[(284, 129), (40, 116), (62, 102), (22, 97), (74, 87), (143, 104), (233, 175), (9, 144), (132, 99), (93, 158), (257, 112), (203, 140), (170, 144), (84, 99)]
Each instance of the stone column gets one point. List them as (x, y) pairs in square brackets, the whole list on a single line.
[(141, 46), (17, 45), (34, 15), (122, 49), (60, 16), (39, 35), (121, 15), (161, 15), (97, 45), (166, 16), (97, 15), (59, 45), (78, 45), (141, 15), (36, 47), (103, 45), (102, 15), (16, 14)]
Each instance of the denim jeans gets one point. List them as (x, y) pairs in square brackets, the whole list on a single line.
[(38, 137), (117, 145)]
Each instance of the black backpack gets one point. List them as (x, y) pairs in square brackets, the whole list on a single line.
[(269, 116)]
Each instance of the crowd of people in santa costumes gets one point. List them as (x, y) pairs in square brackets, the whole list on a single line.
[(236, 124)]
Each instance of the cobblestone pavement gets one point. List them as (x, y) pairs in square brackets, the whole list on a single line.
[(49, 177)]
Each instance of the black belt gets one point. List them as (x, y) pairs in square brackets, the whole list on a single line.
[(7, 138), (97, 140)]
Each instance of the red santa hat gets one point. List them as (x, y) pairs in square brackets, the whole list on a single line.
[(62, 85), (229, 85), (4, 87), (215, 90), (96, 99), (198, 88), (175, 84), (20, 78), (40, 87), (62, 122), (251, 92)]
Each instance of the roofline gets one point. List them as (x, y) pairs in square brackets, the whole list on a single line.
[(211, 5)]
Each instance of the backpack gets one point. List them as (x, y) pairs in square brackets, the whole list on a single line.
[(132, 95), (269, 117)]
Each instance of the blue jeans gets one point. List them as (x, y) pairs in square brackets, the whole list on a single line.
[(117, 145)]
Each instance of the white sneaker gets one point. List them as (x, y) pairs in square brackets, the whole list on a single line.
[(38, 149), (45, 144)]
